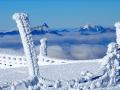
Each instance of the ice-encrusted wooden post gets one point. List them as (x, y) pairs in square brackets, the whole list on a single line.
[(23, 25), (117, 26), (43, 47)]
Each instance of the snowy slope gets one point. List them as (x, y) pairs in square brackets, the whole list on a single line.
[(54, 72)]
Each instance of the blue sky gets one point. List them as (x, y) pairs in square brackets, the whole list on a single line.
[(61, 13)]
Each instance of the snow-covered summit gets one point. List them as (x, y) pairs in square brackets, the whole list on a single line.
[(86, 26), (91, 27)]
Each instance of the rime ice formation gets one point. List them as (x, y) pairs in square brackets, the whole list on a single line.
[(43, 47), (112, 59), (111, 63), (23, 24)]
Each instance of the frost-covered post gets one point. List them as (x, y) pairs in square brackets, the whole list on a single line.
[(117, 26), (23, 25), (43, 47), (13, 87)]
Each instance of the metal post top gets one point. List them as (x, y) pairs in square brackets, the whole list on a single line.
[(18, 16)]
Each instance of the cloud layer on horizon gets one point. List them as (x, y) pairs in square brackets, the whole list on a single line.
[(69, 46)]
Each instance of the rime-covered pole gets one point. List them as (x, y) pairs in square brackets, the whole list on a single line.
[(23, 25), (43, 47), (117, 26)]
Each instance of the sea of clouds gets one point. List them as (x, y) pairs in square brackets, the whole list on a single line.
[(71, 45)]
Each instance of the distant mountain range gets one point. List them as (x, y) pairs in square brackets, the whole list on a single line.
[(45, 29)]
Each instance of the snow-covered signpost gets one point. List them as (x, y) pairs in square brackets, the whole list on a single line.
[(43, 47), (23, 25)]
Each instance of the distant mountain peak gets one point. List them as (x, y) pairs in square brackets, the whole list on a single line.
[(43, 27), (87, 26)]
